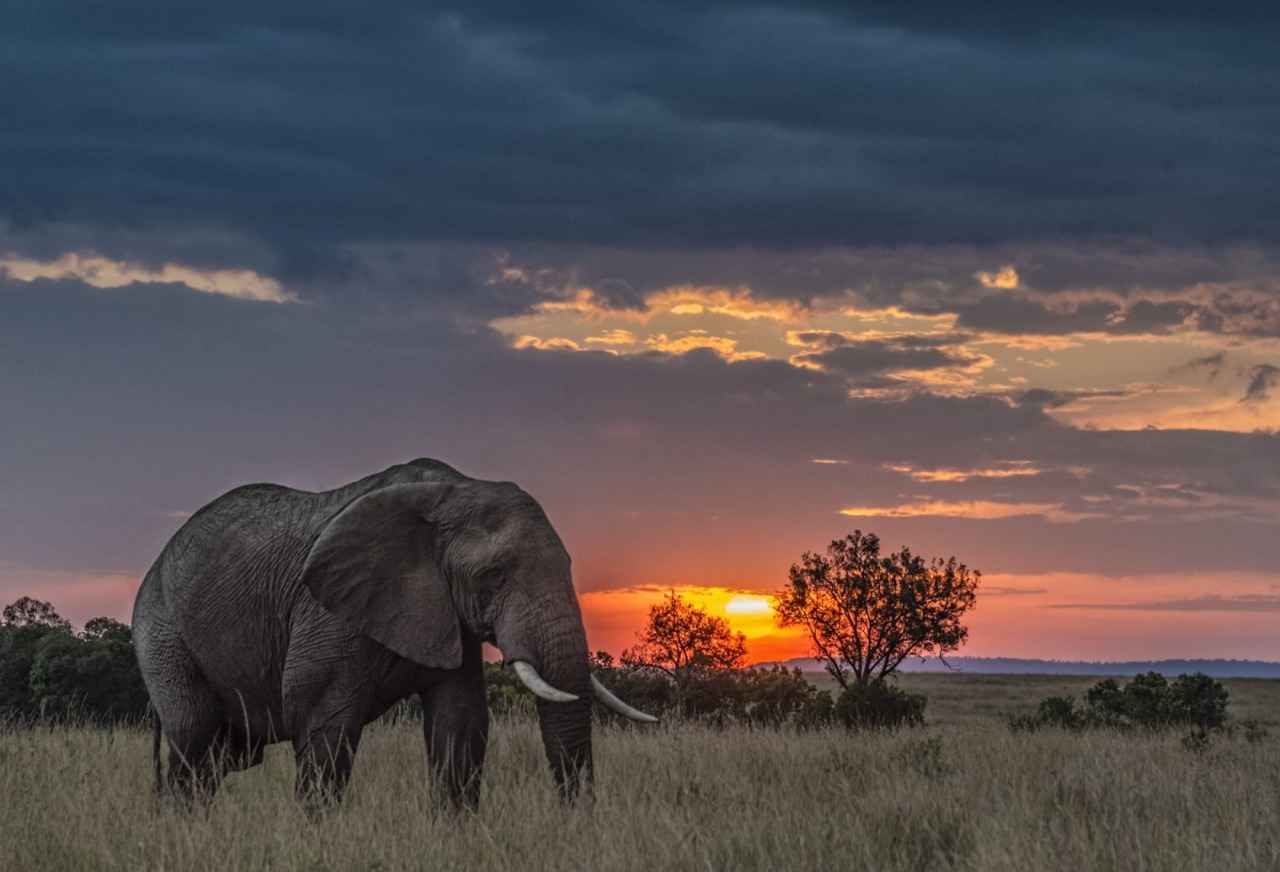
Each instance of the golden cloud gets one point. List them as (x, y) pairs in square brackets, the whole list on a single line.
[(613, 337), (553, 344), (1013, 469), (582, 300), (733, 302), (1005, 278), (983, 510), (726, 348), (103, 272)]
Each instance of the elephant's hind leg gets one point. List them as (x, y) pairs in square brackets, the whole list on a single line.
[(198, 756), (192, 720)]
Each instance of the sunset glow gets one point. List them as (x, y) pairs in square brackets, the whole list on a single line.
[(710, 318)]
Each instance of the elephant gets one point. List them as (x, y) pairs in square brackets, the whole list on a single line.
[(277, 614)]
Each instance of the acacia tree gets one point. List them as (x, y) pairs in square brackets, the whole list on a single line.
[(682, 641), (28, 612), (865, 614)]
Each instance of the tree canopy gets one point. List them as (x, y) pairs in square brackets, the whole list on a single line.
[(46, 670), (865, 613), (682, 640)]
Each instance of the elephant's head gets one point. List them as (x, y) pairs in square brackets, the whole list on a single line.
[(410, 565)]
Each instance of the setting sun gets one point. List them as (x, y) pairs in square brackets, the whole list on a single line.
[(748, 605)]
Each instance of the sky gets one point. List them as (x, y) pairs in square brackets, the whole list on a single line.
[(717, 283)]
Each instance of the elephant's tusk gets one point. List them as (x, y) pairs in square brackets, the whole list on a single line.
[(532, 680), (612, 702)]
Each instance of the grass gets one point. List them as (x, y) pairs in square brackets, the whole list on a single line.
[(962, 793)]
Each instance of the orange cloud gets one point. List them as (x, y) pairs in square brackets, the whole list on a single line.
[(1013, 469), (983, 510), (726, 348), (613, 337), (102, 272), (553, 344), (735, 303), (1005, 278)]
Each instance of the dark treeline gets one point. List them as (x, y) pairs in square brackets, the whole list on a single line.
[(50, 672)]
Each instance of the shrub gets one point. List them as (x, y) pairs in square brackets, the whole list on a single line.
[(1061, 712), (766, 697), (1199, 700), (879, 705), (1148, 701), (817, 712), (96, 678), (504, 692)]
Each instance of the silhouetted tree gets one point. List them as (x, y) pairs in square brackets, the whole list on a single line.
[(24, 624), (96, 678), (107, 630), (46, 670), (682, 641), (28, 612), (865, 613)]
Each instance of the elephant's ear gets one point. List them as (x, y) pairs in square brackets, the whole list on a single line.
[(375, 565)]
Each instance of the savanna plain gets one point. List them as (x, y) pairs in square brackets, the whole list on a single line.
[(962, 792)]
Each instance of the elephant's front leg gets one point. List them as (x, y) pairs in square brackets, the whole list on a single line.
[(455, 724), (324, 754)]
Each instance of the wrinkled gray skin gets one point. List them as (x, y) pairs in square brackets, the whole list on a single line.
[(283, 615)]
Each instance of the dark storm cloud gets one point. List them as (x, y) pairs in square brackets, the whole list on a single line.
[(866, 362), (683, 124), (1008, 314)]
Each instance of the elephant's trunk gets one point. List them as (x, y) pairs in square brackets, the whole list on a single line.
[(546, 632)]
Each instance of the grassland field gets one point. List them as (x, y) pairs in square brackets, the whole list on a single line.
[(961, 793)]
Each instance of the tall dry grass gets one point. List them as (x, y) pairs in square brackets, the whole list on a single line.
[(960, 795)]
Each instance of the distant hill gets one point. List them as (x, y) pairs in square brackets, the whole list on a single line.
[(1019, 666)]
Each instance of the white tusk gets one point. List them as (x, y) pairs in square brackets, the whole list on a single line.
[(612, 702), (532, 680)]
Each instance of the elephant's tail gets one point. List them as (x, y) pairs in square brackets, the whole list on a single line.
[(155, 749)]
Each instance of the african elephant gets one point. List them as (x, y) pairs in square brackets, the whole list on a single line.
[(276, 614)]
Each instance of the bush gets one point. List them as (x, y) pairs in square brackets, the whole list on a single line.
[(1199, 700), (505, 693), (47, 672), (1148, 701), (817, 712), (879, 705), (766, 697), (1061, 712), (96, 678)]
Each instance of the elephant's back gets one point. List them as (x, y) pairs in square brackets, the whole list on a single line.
[(247, 531), (228, 579)]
